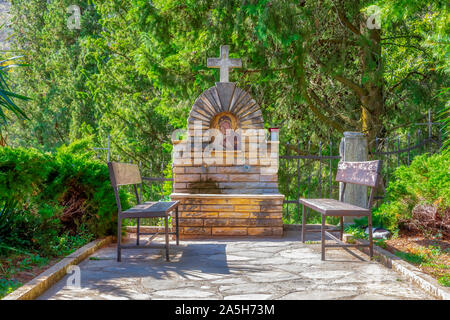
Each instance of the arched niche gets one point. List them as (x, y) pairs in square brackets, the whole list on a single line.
[(222, 100)]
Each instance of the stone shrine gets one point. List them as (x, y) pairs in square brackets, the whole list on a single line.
[(226, 170)]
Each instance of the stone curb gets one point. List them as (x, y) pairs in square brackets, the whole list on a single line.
[(37, 286), (412, 273)]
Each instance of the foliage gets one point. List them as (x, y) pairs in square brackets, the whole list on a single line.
[(16, 261), (413, 258), (427, 23), (357, 230), (7, 286), (48, 200), (7, 96), (425, 181), (134, 68), (22, 171), (445, 119), (25, 229), (431, 259), (444, 281), (416, 51)]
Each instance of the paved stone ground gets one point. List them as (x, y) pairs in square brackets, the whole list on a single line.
[(236, 269)]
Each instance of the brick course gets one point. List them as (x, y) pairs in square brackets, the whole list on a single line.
[(203, 216)]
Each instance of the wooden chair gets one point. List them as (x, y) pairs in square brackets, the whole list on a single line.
[(128, 174), (365, 173)]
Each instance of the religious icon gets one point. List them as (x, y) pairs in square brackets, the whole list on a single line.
[(229, 139), (226, 124)]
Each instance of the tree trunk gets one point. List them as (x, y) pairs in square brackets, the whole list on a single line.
[(372, 103), (371, 112)]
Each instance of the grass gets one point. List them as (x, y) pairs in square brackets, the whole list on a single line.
[(94, 258), (431, 259), (444, 281), (410, 257), (311, 242), (311, 218), (8, 286), (13, 265), (18, 262)]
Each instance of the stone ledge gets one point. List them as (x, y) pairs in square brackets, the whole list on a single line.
[(176, 196), (193, 237), (412, 273), (37, 286)]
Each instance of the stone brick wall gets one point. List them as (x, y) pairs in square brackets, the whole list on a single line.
[(215, 215), (230, 192), (242, 175)]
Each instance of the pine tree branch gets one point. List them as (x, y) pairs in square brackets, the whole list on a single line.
[(330, 109), (338, 41), (321, 116), (347, 82), (402, 36), (245, 71), (356, 88), (346, 22), (406, 46), (406, 77)]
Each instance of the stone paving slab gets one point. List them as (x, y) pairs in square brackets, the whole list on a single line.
[(236, 270)]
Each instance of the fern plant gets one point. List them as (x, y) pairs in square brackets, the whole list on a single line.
[(7, 96)]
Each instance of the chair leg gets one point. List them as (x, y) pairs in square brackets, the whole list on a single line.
[(119, 236), (370, 236), (137, 231), (177, 228), (303, 223), (342, 228), (166, 220), (322, 231)]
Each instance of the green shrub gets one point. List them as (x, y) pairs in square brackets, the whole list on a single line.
[(444, 280), (425, 181), (78, 172), (7, 286), (51, 202), (22, 173), (18, 228)]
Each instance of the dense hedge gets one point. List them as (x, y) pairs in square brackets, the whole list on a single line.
[(44, 196), (425, 183)]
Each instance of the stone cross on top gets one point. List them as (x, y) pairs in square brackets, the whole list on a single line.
[(224, 63)]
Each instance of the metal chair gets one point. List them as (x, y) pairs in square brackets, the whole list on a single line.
[(128, 174)]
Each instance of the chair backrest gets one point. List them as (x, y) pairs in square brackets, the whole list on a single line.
[(124, 174), (364, 173)]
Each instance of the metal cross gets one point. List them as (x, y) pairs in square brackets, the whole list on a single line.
[(224, 63)]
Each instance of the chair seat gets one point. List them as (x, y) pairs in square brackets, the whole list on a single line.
[(150, 209), (332, 207)]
